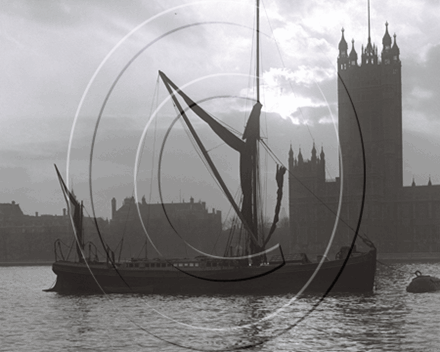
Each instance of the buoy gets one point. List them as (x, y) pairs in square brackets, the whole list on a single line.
[(423, 283)]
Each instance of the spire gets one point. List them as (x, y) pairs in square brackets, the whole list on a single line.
[(369, 47), (322, 155), (429, 182), (300, 157), (369, 38), (369, 55), (413, 184)]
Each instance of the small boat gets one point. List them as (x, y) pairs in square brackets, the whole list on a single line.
[(423, 283), (250, 271)]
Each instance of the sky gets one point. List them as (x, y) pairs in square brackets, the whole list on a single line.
[(61, 59)]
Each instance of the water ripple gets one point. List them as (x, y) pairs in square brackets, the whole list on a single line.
[(388, 320)]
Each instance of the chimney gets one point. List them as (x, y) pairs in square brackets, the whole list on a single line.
[(64, 212), (36, 214), (113, 208)]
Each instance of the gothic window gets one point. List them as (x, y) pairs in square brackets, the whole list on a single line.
[(395, 57), (387, 61), (394, 71), (353, 62)]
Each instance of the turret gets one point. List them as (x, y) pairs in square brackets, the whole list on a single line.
[(395, 51), (300, 158), (386, 40), (322, 163), (290, 158), (314, 154), (353, 55), (322, 157), (387, 51), (343, 56)]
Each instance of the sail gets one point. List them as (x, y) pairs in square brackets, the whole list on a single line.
[(229, 138), (247, 147), (77, 214)]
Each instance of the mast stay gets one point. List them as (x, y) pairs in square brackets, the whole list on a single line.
[(247, 146)]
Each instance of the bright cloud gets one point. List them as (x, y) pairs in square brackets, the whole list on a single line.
[(281, 96), (420, 93)]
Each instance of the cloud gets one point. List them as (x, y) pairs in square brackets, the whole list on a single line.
[(50, 49), (287, 93)]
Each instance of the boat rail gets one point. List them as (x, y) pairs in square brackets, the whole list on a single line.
[(92, 255)]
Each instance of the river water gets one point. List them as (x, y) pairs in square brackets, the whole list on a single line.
[(388, 320)]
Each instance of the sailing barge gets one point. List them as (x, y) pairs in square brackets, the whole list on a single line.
[(351, 271), (251, 272), (203, 276)]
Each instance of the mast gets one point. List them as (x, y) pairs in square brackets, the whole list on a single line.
[(247, 146), (80, 234), (255, 157), (257, 68)]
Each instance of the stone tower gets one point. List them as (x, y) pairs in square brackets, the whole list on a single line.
[(370, 107)]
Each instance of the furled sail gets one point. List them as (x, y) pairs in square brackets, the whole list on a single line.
[(77, 214), (280, 178)]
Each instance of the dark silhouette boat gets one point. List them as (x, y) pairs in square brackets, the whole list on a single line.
[(251, 271)]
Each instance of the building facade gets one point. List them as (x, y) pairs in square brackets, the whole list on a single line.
[(172, 227), (31, 238), (395, 218)]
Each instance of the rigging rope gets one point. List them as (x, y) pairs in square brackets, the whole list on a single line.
[(363, 236)]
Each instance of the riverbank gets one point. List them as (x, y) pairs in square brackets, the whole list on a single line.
[(38, 263), (410, 257)]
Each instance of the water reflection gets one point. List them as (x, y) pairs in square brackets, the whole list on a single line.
[(391, 319)]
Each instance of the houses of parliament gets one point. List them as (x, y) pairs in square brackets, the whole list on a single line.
[(396, 218)]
